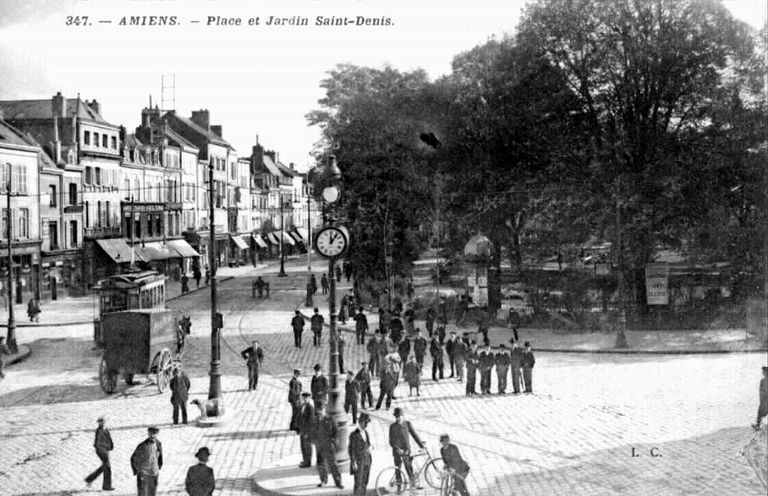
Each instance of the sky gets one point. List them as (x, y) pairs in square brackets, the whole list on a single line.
[(255, 80)]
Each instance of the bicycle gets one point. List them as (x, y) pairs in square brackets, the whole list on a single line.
[(395, 480), (449, 483)]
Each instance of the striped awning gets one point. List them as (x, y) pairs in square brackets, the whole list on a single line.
[(296, 236), (287, 239), (259, 241), (273, 239), (182, 248), (239, 242)]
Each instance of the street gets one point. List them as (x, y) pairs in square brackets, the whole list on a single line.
[(596, 424)]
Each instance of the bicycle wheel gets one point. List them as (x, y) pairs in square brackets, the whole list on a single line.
[(392, 480), (450, 485), (433, 473)]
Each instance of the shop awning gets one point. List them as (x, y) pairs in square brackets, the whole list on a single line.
[(259, 240), (304, 232), (150, 252), (287, 239), (239, 242), (296, 236), (182, 248), (117, 249), (273, 238)]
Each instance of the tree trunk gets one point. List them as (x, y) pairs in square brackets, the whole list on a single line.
[(494, 277)]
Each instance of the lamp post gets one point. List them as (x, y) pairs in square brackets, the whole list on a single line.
[(214, 387), (11, 336), (282, 233)]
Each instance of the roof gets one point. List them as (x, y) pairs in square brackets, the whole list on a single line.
[(12, 136), (131, 141), (170, 133), (208, 134), (43, 109)]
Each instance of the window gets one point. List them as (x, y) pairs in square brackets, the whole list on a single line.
[(107, 213), (72, 193), (104, 140), (53, 235), (52, 195), (159, 225), (97, 175), (87, 214), (95, 139), (137, 227), (22, 226), (127, 187), (88, 175), (87, 137), (73, 233), (99, 217), (114, 142), (137, 189), (19, 180)]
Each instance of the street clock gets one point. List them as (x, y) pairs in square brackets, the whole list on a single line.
[(332, 241)]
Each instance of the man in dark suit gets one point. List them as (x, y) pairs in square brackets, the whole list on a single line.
[(528, 363), (419, 348), (316, 324), (360, 460), (200, 480), (460, 349), (372, 347), (294, 398), (179, 395), (324, 436), (515, 365), (361, 325), (486, 361), (404, 348), (453, 461), (351, 393), (386, 386), (304, 424), (502, 367), (363, 377), (297, 323), (436, 351), (450, 349), (319, 385), (253, 355), (146, 462), (400, 433), (472, 363), (103, 445)]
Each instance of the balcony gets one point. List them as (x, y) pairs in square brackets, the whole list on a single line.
[(101, 232)]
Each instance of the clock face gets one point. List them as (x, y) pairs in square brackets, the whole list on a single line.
[(331, 242)]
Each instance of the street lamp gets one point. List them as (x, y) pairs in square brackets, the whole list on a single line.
[(214, 386), (282, 233), (11, 337)]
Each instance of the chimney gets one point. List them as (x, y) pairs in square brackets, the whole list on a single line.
[(271, 154), (59, 105), (217, 130), (56, 141), (202, 118), (292, 166), (95, 106)]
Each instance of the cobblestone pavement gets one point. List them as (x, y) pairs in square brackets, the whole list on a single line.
[(574, 435)]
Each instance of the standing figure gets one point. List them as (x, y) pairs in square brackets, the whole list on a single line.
[(453, 461), (513, 322), (359, 450), (266, 288), (316, 325), (200, 480), (324, 283), (502, 368), (179, 395), (146, 462), (258, 284), (404, 349), (412, 373), (515, 366), (450, 349), (383, 320), (410, 316), (528, 362), (430, 321), (319, 385), (184, 284), (374, 363), (324, 435), (363, 378), (486, 361), (253, 355), (386, 386), (472, 363), (419, 348), (313, 283), (306, 417), (351, 395), (441, 334), (385, 346), (338, 273), (294, 399), (395, 329), (196, 275), (102, 443), (361, 326), (4, 350), (400, 433), (436, 351), (762, 409), (341, 345), (297, 324), (459, 355), (343, 309), (33, 309)]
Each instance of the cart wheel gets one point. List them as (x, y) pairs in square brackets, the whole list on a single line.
[(107, 377), (128, 379), (164, 370)]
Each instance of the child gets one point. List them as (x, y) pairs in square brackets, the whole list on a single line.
[(413, 376)]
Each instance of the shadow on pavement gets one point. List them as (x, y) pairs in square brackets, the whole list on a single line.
[(167, 425), (46, 395), (250, 435)]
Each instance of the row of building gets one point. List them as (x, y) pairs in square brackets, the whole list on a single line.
[(89, 199)]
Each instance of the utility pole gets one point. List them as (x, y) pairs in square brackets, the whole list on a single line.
[(214, 389), (133, 230), (621, 337), (282, 253), (11, 337), (309, 231)]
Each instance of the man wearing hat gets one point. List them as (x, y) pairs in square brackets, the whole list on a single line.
[(486, 361), (436, 351), (459, 355), (351, 393), (363, 378), (450, 350), (361, 325), (253, 355), (528, 363), (400, 433), (297, 323), (419, 348), (179, 395), (453, 461), (324, 435), (294, 398), (386, 386), (762, 410), (316, 324), (515, 365), (102, 443), (502, 367), (306, 417), (472, 364), (319, 385), (359, 450), (146, 462), (200, 480), (372, 347)]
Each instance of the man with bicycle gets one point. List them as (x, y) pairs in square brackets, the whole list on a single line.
[(454, 463), (400, 433)]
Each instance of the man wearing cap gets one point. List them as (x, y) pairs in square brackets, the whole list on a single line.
[(372, 347), (363, 378), (200, 480), (319, 385), (453, 461), (515, 365), (316, 324), (361, 325), (450, 348), (179, 395), (419, 348), (528, 363), (351, 393), (400, 433), (294, 398), (762, 409), (486, 361), (305, 420), (253, 355), (502, 367), (436, 351), (472, 363), (102, 443), (324, 436), (146, 462), (359, 450), (297, 323), (459, 355)]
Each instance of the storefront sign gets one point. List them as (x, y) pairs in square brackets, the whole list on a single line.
[(657, 284)]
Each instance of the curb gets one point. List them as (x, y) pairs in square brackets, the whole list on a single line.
[(53, 324), (24, 353), (649, 352), (223, 279)]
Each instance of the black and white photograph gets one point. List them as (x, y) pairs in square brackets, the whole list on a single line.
[(383, 247)]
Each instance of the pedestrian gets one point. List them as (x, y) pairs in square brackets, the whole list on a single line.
[(383, 320), (461, 309), (343, 309), (360, 460), (324, 283), (297, 324), (385, 346), (313, 283), (258, 285), (515, 367), (472, 363), (341, 344), (386, 386), (486, 361), (404, 349), (372, 347), (306, 417), (395, 328), (450, 349), (338, 274), (200, 480), (441, 334), (179, 395), (455, 463), (347, 270), (395, 365), (513, 322), (409, 291), (33, 309), (436, 351), (294, 399), (102, 443), (184, 284), (459, 356), (4, 350), (316, 325), (762, 409), (483, 327), (324, 435), (361, 325), (528, 362), (412, 373), (196, 275), (319, 385), (363, 377), (502, 360), (266, 288), (430, 324), (351, 395), (254, 356), (207, 276), (400, 433), (146, 462), (419, 348), (410, 316)]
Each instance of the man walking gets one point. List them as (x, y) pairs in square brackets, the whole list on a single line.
[(351, 395), (472, 363), (419, 348), (386, 386), (502, 368), (374, 363), (325, 431), (430, 323), (360, 460), (486, 360), (200, 480), (324, 283), (361, 325), (146, 462), (294, 399), (102, 443), (253, 355), (319, 385), (363, 378), (515, 365), (436, 351), (762, 409), (404, 348), (528, 362), (459, 355), (450, 349), (306, 417), (400, 433), (316, 324), (179, 395), (297, 323), (259, 285)]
